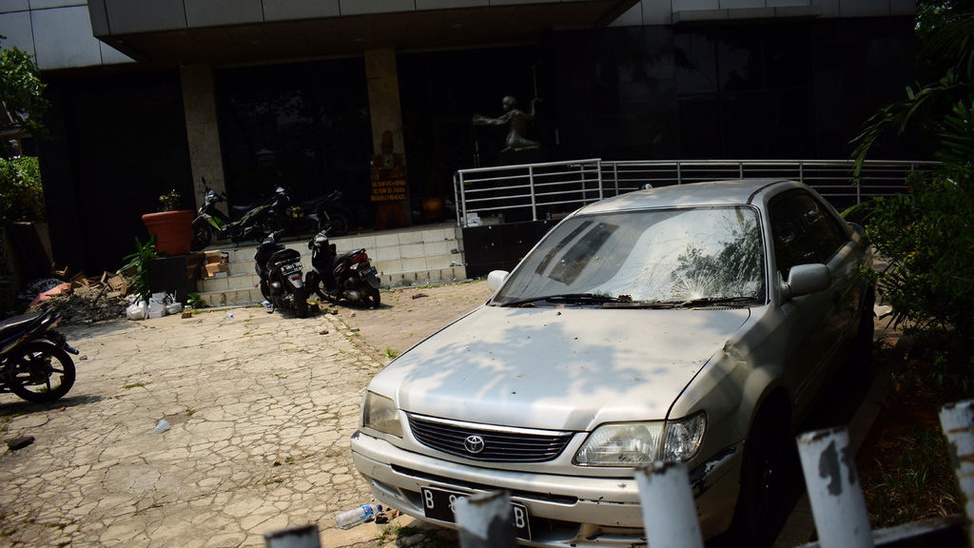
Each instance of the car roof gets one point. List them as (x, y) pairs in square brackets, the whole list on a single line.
[(711, 193)]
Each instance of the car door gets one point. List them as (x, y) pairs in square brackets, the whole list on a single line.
[(805, 230)]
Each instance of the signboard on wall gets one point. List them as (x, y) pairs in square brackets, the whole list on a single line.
[(388, 190)]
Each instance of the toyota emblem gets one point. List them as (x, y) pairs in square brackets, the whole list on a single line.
[(473, 444)]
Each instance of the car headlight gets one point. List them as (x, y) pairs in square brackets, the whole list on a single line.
[(380, 413), (635, 443)]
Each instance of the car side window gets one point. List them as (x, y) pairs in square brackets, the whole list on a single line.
[(803, 230)]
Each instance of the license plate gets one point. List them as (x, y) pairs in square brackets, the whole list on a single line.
[(368, 272), (289, 268), (439, 504)]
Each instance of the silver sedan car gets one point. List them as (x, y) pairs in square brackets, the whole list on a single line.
[(692, 323)]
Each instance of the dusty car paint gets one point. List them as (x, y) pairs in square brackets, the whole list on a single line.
[(564, 369), (573, 368)]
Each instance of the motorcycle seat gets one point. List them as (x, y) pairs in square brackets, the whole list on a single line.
[(18, 323), (244, 208), (282, 256), (15, 326), (344, 256)]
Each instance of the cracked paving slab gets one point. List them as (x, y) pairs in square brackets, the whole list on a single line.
[(260, 406)]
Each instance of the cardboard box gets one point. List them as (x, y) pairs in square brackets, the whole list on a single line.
[(217, 257), (217, 270)]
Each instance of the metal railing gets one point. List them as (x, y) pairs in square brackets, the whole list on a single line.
[(531, 192)]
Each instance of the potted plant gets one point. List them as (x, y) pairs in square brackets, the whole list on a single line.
[(172, 227), (138, 267)]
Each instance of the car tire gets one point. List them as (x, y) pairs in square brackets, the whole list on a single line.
[(859, 362), (770, 461)]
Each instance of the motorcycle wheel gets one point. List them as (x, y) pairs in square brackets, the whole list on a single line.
[(300, 303), (40, 373), (338, 221), (267, 224), (202, 235), (372, 300)]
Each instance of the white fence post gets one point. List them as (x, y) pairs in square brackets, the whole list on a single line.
[(838, 505), (957, 421), (484, 520), (669, 513)]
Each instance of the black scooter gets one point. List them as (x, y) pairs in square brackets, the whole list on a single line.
[(348, 277), (329, 211), (253, 222), (280, 272), (34, 361)]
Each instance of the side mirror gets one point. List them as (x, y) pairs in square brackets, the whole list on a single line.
[(805, 279), (496, 279)]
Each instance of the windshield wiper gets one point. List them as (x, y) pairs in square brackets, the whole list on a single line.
[(692, 303), (718, 301), (624, 301), (573, 298)]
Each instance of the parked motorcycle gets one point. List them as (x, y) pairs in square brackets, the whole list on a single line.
[(349, 277), (253, 222), (281, 280), (34, 360), (329, 211)]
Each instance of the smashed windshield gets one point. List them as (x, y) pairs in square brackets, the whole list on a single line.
[(674, 256)]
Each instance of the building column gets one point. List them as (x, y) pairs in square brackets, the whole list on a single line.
[(389, 188), (202, 130)]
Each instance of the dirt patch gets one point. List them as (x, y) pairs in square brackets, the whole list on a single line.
[(409, 315), (904, 463)]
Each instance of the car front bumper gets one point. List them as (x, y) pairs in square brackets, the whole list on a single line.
[(564, 510)]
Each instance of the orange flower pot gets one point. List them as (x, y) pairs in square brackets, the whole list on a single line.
[(173, 230)]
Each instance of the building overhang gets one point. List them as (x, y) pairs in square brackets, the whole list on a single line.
[(176, 32)]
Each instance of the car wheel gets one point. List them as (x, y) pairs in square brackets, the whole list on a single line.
[(860, 359), (770, 460)]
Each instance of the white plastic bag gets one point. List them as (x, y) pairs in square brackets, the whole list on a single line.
[(136, 311)]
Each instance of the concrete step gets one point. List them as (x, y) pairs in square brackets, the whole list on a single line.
[(412, 256)]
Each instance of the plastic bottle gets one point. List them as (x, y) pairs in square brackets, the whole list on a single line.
[(161, 427), (355, 516), (229, 315)]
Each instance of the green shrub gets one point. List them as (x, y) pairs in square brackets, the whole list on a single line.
[(927, 237), (21, 194)]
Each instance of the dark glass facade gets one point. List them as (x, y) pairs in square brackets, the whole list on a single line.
[(749, 90), (116, 144), (776, 89), (304, 125)]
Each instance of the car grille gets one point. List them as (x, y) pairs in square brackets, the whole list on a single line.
[(459, 439)]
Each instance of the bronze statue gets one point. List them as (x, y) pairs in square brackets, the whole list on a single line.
[(518, 120)]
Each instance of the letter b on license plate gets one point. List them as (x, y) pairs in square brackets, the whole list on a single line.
[(440, 505)]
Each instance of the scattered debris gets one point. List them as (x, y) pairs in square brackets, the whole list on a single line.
[(85, 304), (323, 332), (19, 442), (386, 516), (420, 295), (79, 298)]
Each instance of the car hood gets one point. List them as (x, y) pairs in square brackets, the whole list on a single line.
[(560, 369)]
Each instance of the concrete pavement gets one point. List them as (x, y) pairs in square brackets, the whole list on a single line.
[(261, 408)]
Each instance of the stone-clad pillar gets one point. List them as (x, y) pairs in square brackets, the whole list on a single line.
[(385, 112), (202, 130)]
